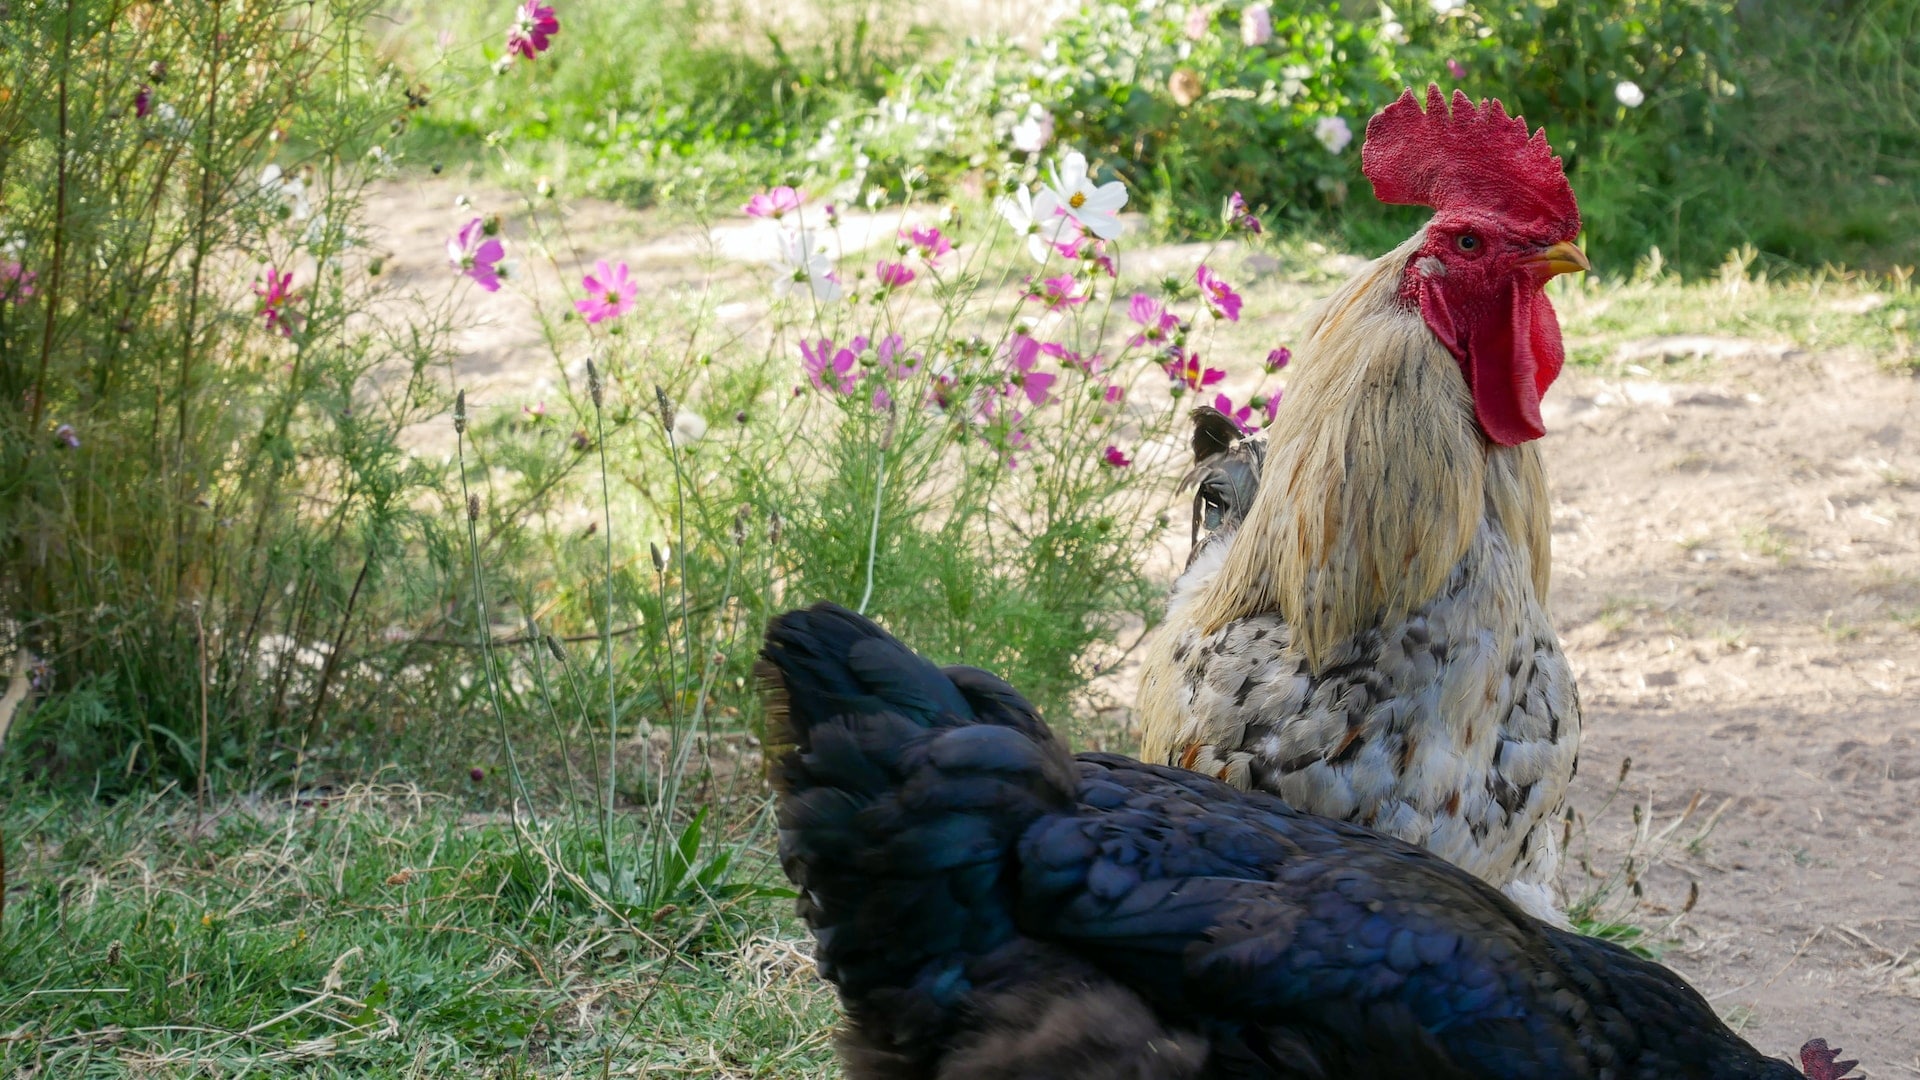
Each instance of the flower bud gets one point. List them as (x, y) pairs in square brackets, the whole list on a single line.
[(473, 508), (460, 413), (593, 382)]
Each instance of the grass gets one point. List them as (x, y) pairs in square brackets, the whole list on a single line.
[(379, 932)]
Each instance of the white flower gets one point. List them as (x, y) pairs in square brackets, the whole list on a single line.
[(1628, 93), (1447, 7), (291, 191), (800, 262), (1093, 207), (688, 427), (1333, 133), (1032, 134), (1036, 217)]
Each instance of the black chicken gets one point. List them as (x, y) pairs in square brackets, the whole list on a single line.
[(990, 906)]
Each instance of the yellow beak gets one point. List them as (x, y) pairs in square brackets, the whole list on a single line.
[(1561, 258)]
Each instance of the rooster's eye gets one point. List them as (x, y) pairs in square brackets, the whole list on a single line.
[(1468, 242)]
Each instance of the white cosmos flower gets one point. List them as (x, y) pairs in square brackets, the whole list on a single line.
[(1032, 134), (1093, 207), (1036, 217), (291, 191), (1333, 133), (799, 261), (1447, 7), (1628, 93)]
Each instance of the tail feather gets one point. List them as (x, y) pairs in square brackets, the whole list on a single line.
[(903, 796)]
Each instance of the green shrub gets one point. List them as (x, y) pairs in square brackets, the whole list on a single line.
[(202, 488)]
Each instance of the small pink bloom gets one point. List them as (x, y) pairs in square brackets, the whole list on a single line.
[(775, 204), (1114, 395), (1023, 354), (1456, 69), (1256, 26), (1278, 358), (829, 369), (928, 242), (1239, 217), (1113, 458), (1090, 365), (66, 434), (610, 293), (1058, 293), (1220, 297), (1199, 21), (276, 301), (1271, 406), (1157, 324), (1242, 417), (143, 102), (16, 281), (533, 28), (535, 412), (1186, 371), (477, 255), (894, 275)]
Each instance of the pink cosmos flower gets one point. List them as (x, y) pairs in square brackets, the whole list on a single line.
[(1239, 217), (16, 281), (66, 434), (1186, 371), (276, 301), (477, 255), (1089, 365), (533, 28), (1278, 358), (828, 369), (928, 242), (1242, 417), (1114, 395), (143, 102), (774, 204), (1221, 300), (893, 275), (1199, 21), (535, 412), (1270, 407), (1113, 458), (1058, 293), (1023, 354), (1456, 69), (1157, 324), (610, 293)]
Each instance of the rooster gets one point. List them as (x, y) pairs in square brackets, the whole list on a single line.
[(1371, 641), (989, 906)]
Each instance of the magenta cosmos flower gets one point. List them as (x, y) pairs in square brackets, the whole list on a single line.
[(610, 293), (1220, 297), (1278, 358), (1157, 324), (893, 275), (1023, 355), (829, 369), (928, 242), (533, 28), (67, 435), (1113, 458), (1058, 293), (1186, 370), (477, 255), (1242, 417), (16, 281), (1456, 69), (1239, 217), (775, 204), (276, 301)]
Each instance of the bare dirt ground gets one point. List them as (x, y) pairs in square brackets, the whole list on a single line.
[(1737, 580), (1737, 576)]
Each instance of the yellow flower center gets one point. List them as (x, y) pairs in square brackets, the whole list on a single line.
[(1077, 200)]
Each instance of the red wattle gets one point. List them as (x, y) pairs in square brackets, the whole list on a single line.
[(1509, 357)]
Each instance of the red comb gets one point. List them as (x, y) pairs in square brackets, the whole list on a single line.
[(1817, 1061), (1476, 158)]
